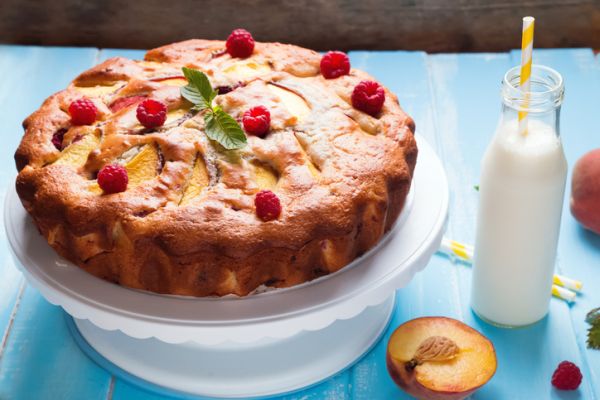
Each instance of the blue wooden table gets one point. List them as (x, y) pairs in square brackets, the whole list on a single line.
[(455, 100)]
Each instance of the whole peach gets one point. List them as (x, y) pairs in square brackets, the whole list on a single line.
[(585, 191)]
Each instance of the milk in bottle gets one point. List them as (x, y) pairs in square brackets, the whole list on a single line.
[(521, 196)]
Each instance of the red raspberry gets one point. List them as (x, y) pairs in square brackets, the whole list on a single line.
[(57, 138), (228, 88), (83, 112), (368, 96), (335, 64), (567, 376), (240, 43), (151, 113), (267, 205), (113, 178), (257, 121), (123, 102)]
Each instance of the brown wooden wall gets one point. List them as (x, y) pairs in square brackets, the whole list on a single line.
[(432, 25)]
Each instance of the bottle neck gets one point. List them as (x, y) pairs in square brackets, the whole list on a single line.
[(549, 118), (541, 105)]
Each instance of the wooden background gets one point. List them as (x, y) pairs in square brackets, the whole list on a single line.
[(430, 25)]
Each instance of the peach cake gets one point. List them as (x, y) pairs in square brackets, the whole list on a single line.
[(121, 177)]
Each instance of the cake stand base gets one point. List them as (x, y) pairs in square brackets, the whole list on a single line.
[(263, 368)]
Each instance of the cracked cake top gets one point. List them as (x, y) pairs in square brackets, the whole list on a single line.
[(186, 222)]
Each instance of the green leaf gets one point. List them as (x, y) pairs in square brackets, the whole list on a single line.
[(222, 128), (219, 125), (192, 95), (476, 187), (198, 90), (593, 316), (593, 340)]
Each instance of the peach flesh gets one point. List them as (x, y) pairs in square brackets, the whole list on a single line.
[(453, 379)]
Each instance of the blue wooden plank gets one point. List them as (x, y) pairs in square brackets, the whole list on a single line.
[(39, 358), (42, 361), (124, 390), (466, 96), (127, 53), (579, 250), (333, 389), (405, 74), (336, 388), (11, 284), (435, 290), (460, 85), (29, 75), (442, 105), (467, 105)]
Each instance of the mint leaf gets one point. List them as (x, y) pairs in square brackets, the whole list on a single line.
[(593, 340), (476, 187), (593, 316), (222, 128), (219, 125), (198, 90)]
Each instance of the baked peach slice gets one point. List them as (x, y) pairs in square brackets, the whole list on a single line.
[(264, 176), (245, 70), (438, 358), (198, 181), (77, 152), (141, 167), (295, 104), (99, 90), (144, 166), (172, 81)]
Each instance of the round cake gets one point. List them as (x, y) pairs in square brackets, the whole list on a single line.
[(121, 177)]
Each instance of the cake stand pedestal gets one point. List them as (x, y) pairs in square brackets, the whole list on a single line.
[(265, 344), (266, 367)]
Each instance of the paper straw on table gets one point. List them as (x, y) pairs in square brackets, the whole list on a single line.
[(526, 60), (464, 252), (453, 248), (568, 283), (563, 293)]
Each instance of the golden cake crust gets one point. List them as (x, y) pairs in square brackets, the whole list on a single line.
[(186, 224)]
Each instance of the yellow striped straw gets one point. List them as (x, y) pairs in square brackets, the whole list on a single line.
[(568, 283), (564, 294), (526, 60), (455, 249), (465, 252)]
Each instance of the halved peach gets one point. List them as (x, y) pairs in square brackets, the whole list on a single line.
[(438, 358)]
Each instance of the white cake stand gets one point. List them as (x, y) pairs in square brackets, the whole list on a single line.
[(265, 344)]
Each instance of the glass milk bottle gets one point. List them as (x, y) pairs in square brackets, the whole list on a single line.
[(521, 194)]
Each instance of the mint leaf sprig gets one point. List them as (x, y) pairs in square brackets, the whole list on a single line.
[(593, 339), (593, 318), (219, 125)]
